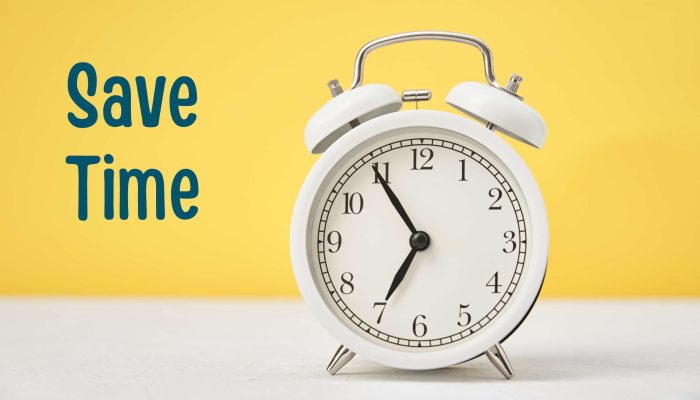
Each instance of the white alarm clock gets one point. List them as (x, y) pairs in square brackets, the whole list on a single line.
[(420, 238)]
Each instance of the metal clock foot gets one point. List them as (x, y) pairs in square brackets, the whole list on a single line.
[(341, 357), (500, 360)]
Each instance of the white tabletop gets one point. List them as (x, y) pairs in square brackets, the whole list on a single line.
[(208, 349)]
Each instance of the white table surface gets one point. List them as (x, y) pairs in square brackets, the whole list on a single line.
[(228, 349)]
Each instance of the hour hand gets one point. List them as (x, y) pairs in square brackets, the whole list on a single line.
[(394, 200), (401, 273)]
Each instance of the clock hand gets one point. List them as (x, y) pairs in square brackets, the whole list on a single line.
[(401, 273), (419, 241), (394, 200)]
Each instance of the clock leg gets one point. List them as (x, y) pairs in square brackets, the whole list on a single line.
[(500, 360), (341, 357)]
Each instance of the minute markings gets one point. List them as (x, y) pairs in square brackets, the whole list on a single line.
[(477, 325)]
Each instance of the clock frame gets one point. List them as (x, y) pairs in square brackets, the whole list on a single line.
[(495, 332)]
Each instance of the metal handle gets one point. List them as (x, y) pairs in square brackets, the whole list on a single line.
[(425, 35)]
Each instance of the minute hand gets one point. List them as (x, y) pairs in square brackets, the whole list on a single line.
[(394, 200)]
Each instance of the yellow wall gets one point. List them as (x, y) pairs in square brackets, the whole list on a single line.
[(617, 83)]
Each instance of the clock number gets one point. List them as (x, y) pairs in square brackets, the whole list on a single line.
[(347, 287), (463, 162), (510, 242), (495, 193), (425, 154), (465, 314), (381, 304), (419, 328), (493, 282), (353, 203), (385, 175), (334, 239)]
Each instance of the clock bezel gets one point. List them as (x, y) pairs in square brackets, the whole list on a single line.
[(519, 305)]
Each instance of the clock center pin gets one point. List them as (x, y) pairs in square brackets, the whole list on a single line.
[(419, 241)]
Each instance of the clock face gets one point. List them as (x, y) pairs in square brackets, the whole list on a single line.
[(419, 238)]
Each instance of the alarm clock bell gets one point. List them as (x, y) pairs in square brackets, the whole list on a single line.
[(500, 109), (347, 110)]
